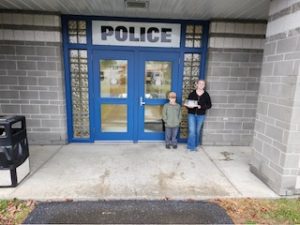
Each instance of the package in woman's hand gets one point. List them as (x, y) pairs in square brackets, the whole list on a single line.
[(191, 103)]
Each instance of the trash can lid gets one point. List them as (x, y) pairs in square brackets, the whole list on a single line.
[(6, 118)]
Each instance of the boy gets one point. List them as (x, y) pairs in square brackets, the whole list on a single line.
[(172, 117)]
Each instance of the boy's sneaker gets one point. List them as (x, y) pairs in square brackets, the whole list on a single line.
[(174, 146), (168, 146)]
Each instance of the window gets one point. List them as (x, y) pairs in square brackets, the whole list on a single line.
[(190, 76), (193, 35), (80, 99), (77, 31)]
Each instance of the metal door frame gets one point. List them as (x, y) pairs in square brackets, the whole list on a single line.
[(154, 56), (99, 100)]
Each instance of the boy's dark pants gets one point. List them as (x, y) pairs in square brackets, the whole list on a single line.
[(170, 135)]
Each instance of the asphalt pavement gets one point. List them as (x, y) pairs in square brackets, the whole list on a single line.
[(128, 212)]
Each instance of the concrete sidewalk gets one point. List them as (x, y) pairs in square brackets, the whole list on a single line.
[(137, 171)]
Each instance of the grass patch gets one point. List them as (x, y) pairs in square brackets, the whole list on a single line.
[(286, 210), (262, 211), (14, 211)]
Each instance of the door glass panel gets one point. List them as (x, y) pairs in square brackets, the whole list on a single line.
[(113, 118), (157, 79), (153, 118), (113, 78)]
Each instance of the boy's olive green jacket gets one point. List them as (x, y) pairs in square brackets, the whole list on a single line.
[(171, 115)]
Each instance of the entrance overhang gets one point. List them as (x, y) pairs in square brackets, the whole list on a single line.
[(177, 9)]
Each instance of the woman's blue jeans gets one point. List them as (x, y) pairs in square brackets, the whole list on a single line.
[(195, 124)]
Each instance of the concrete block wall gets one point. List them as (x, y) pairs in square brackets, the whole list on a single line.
[(233, 72), (31, 74), (276, 145)]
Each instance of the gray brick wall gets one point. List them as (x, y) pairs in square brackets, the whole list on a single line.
[(232, 82), (276, 144), (233, 73), (32, 83)]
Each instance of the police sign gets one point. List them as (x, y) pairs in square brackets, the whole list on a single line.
[(136, 34)]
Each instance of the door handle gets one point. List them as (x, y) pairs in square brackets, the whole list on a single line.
[(141, 101)]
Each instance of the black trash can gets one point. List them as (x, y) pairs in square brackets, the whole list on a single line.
[(14, 152)]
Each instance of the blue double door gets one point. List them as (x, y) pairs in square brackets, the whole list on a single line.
[(130, 89)]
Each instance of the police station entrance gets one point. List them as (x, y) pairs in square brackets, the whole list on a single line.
[(130, 90), (120, 73)]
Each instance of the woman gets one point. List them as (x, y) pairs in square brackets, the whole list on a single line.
[(196, 113)]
